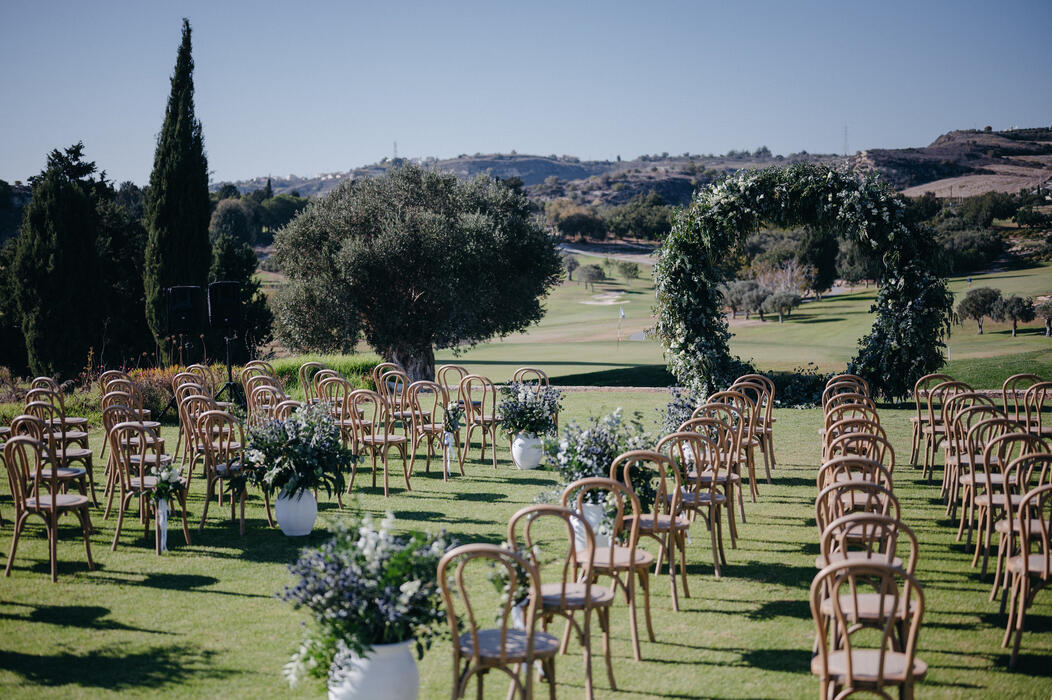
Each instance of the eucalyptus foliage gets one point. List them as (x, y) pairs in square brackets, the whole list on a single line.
[(529, 408), (913, 305)]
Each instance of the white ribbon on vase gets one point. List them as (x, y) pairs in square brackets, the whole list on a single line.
[(162, 523), (447, 443)]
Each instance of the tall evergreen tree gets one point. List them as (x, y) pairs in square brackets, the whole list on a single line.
[(55, 267), (234, 261), (177, 208)]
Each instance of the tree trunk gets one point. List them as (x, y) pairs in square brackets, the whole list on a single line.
[(1013, 327), (779, 316), (1048, 327), (747, 313), (979, 322), (419, 363), (734, 313), (761, 314)]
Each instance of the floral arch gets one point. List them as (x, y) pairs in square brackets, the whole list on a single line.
[(913, 304)]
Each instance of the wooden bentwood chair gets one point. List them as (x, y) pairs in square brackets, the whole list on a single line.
[(512, 651)]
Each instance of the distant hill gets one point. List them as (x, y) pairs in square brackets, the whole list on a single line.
[(959, 163)]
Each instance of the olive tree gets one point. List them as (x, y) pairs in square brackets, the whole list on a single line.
[(411, 261), (781, 303), (980, 303), (1016, 308), (1044, 312)]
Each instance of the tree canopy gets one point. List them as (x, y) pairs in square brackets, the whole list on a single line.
[(178, 208), (411, 261), (980, 303)]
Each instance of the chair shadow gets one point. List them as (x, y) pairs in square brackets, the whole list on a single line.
[(84, 616), (787, 660), (115, 668), (800, 609)]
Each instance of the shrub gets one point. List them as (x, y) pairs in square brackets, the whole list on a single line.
[(528, 408)]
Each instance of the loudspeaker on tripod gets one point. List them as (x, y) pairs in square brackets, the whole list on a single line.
[(224, 305), (184, 309)]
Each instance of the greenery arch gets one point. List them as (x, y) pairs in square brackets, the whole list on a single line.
[(913, 304)]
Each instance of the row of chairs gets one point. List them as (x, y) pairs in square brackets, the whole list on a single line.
[(865, 580), (997, 471)]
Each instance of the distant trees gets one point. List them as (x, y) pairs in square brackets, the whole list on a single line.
[(230, 219), (854, 264), (754, 299), (628, 270), (570, 264), (980, 303), (582, 224), (645, 216), (1044, 312), (590, 274), (781, 303), (734, 294), (177, 205), (413, 260), (1016, 308), (234, 261), (818, 251)]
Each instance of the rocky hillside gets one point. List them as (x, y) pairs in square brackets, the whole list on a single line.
[(959, 163)]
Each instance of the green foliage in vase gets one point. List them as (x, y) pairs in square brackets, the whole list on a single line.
[(529, 408)]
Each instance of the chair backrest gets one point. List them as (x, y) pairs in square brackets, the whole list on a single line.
[(122, 398), (898, 593), (54, 433), (263, 366), (743, 403), (184, 378), (1012, 392), (380, 370), (841, 387), (109, 375), (320, 376), (538, 521), (958, 425), (368, 413), (756, 391), (44, 383), (842, 411), (852, 378), (936, 397), (392, 388), (637, 467), (727, 414), (708, 449), (848, 426), (30, 426), (24, 458), (848, 400), (851, 469), (306, 375), (959, 402), (767, 383), (126, 386), (921, 388), (487, 406), (424, 399), (983, 432), (842, 498), (48, 396), (130, 445), (190, 389), (221, 436), (869, 536), (205, 377), (1035, 520), (285, 409), (450, 376), (1036, 402), (481, 557), (620, 500), (869, 445), (249, 371), (115, 414), (334, 392), (530, 375), (264, 398), (1028, 471)]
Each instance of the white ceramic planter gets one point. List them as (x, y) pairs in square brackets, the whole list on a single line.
[(296, 516), (526, 451), (593, 515), (389, 671)]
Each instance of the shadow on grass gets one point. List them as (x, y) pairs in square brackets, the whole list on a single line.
[(434, 517), (800, 609), (772, 572), (788, 660), (83, 616), (483, 496), (640, 375), (116, 669), (816, 319)]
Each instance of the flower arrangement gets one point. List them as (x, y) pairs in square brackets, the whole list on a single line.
[(529, 408), (365, 586), (169, 482), (300, 453), (453, 415), (588, 451)]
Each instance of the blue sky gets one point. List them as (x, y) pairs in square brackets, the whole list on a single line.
[(311, 86)]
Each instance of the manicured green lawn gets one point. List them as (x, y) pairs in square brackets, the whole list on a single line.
[(578, 336), (203, 621)]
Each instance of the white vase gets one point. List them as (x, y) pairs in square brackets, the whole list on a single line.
[(296, 515), (526, 451), (593, 515), (388, 671)]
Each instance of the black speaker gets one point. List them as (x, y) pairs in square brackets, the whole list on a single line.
[(184, 310), (224, 305)]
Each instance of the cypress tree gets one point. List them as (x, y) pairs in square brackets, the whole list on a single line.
[(178, 207), (234, 261), (55, 266)]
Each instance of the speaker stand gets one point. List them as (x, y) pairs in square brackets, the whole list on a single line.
[(231, 388)]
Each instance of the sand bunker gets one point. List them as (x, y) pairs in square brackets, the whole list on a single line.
[(607, 299)]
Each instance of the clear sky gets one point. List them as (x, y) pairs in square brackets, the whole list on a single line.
[(312, 86)]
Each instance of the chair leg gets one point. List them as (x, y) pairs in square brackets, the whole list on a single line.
[(644, 580), (671, 549), (20, 520), (682, 540), (208, 499), (182, 506), (85, 524), (712, 540), (121, 507), (633, 624), (52, 545), (728, 493), (604, 623)]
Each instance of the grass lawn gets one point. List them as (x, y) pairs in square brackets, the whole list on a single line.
[(203, 621), (578, 335)]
